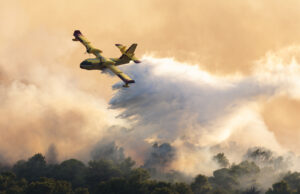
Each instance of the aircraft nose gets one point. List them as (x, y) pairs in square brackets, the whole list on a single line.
[(83, 64), (86, 65)]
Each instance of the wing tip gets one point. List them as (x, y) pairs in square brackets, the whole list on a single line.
[(130, 81), (77, 33), (127, 82)]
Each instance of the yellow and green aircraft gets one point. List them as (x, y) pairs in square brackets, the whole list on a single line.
[(101, 63)]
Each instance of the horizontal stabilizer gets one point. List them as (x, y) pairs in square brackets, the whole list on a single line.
[(121, 47), (135, 59)]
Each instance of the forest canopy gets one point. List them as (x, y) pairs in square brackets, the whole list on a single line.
[(118, 174)]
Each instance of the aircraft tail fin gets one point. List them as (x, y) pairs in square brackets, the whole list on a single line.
[(131, 49), (128, 54)]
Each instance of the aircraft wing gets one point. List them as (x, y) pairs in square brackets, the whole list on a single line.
[(125, 78), (89, 48)]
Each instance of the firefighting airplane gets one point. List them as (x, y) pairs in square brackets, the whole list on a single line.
[(101, 63)]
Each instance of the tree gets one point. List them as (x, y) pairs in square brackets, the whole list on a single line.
[(221, 159), (99, 171), (138, 181), (139, 175), (266, 158), (49, 186), (219, 191), (4, 167), (81, 190), (224, 179), (114, 185), (32, 169), (10, 184), (292, 179), (164, 190), (252, 190), (126, 165), (62, 187), (108, 151), (160, 157), (153, 185), (228, 179), (71, 170), (183, 188), (245, 168), (200, 185), (45, 187), (279, 188)]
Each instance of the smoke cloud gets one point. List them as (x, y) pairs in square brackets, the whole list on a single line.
[(108, 151), (196, 112), (223, 37), (52, 154), (43, 102), (160, 157)]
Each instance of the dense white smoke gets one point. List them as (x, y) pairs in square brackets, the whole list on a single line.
[(198, 113)]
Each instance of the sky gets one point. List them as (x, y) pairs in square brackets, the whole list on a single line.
[(209, 61)]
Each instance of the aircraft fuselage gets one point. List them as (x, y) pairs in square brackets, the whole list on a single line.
[(96, 63)]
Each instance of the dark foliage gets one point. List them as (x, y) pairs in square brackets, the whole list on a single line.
[(32, 169), (266, 158), (293, 180), (235, 177), (221, 159), (160, 157), (280, 188), (252, 190), (200, 185), (118, 176)]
